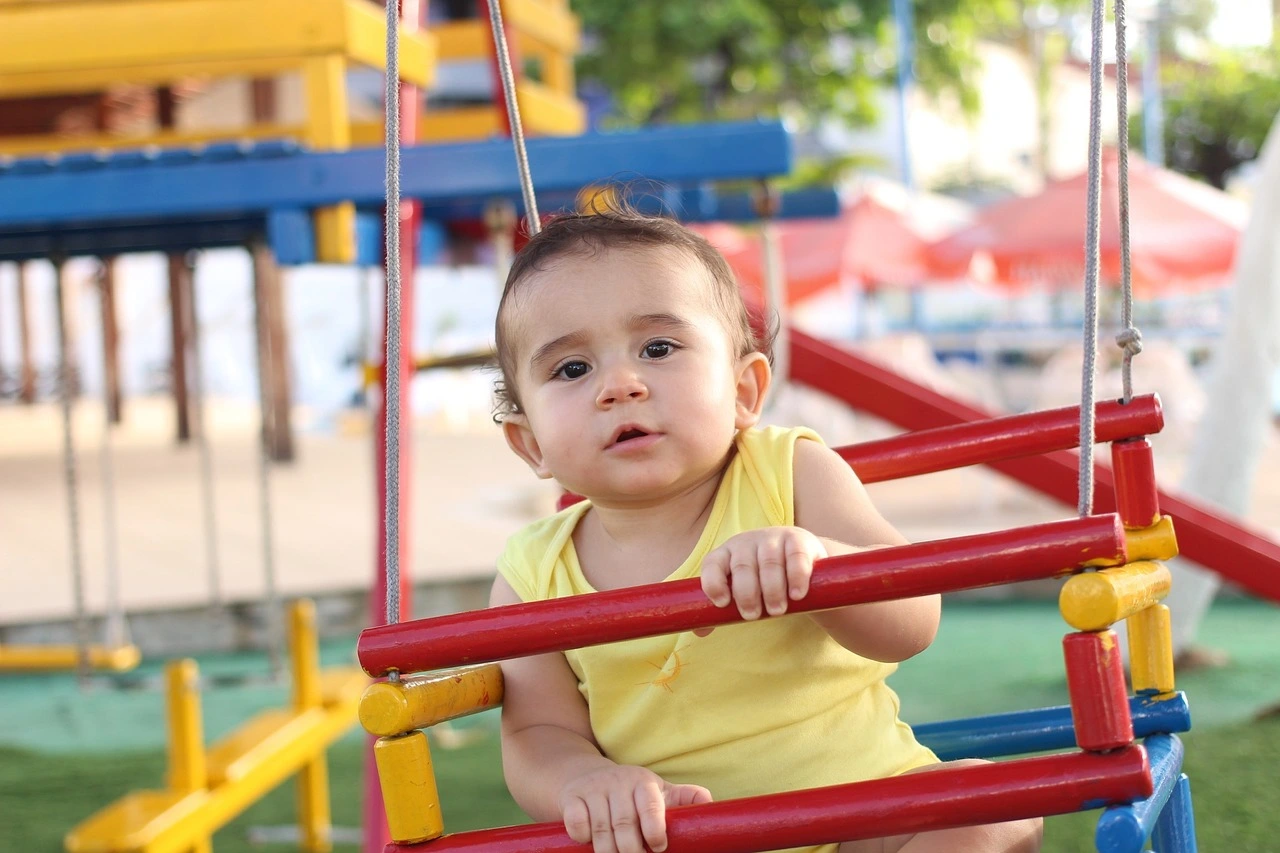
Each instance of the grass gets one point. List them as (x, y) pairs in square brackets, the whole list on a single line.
[(1232, 771)]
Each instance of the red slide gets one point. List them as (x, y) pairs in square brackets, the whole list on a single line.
[(1243, 556)]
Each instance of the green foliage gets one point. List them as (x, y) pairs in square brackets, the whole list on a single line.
[(676, 60), (1218, 114)]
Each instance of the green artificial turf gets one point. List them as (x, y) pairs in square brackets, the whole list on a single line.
[(65, 753), (1232, 770)]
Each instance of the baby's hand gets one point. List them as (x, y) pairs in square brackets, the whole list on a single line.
[(617, 807), (761, 567)]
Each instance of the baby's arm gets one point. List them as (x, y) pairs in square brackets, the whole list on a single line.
[(555, 770), (831, 503)]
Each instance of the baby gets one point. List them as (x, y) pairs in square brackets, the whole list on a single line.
[(632, 375)]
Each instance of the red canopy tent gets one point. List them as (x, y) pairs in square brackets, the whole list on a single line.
[(880, 238), (1182, 233)]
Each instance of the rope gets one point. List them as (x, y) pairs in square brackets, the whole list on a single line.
[(392, 362), (1130, 338), (74, 544), (513, 116), (1092, 248), (212, 564), (116, 630), (274, 624), (766, 208)]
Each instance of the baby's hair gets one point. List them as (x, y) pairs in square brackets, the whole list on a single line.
[(611, 224)]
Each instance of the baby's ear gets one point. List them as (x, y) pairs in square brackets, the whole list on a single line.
[(754, 378), (520, 438)]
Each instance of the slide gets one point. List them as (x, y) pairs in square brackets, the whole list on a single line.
[(1224, 545)]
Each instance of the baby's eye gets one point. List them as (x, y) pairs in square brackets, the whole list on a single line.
[(659, 349), (572, 370)]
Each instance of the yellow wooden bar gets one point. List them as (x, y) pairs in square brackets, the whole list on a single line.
[(315, 832), (366, 43), (1094, 601), (545, 111), (329, 130), (134, 822), (409, 788), (391, 708), (1156, 542), (85, 46), (1151, 651), (304, 655), (455, 40), (23, 146), (15, 658), (187, 770)]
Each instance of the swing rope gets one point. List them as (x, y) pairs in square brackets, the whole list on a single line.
[(116, 630), (392, 361), (74, 543), (1130, 338)]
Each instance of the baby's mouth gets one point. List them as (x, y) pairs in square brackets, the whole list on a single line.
[(627, 435)]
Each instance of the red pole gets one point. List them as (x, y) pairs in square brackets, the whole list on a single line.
[(518, 630), (376, 833), (998, 439), (1137, 498), (916, 802), (1095, 682)]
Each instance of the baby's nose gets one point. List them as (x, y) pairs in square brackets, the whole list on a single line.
[(619, 386)]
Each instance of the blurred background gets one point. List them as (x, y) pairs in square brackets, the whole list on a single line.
[(223, 406)]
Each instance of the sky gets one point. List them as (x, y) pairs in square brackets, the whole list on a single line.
[(1242, 22)]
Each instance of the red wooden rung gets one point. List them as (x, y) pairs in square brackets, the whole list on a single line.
[(1095, 680), (1137, 499), (906, 571), (915, 802)]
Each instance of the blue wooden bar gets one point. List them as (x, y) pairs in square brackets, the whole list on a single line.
[(1125, 829), (1041, 729), (1176, 826)]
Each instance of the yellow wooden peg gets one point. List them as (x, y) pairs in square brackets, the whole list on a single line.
[(187, 769), (1151, 651), (391, 708), (1156, 542), (1094, 601), (409, 788)]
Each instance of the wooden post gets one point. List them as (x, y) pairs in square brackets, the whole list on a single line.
[(26, 370), (179, 294), (273, 354), (110, 339)]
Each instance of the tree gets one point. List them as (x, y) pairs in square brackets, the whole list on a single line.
[(687, 60), (1217, 114)]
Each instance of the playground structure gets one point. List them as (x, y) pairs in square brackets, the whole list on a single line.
[(309, 204), (208, 788), (1144, 789)]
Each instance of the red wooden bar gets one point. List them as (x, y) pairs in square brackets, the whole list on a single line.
[(1239, 553), (998, 439), (1095, 682), (945, 565), (938, 799), (1134, 467)]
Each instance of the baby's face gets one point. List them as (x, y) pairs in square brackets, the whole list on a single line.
[(630, 387)]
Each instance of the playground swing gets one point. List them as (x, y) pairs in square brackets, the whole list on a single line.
[(116, 653), (1116, 573)]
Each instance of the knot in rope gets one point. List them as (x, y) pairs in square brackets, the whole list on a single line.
[(1130, 340)]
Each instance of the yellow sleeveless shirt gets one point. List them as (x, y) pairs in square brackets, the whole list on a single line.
[(754, 708)]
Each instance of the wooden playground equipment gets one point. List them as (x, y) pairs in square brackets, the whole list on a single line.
[(207, 788), (1116, 576)]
